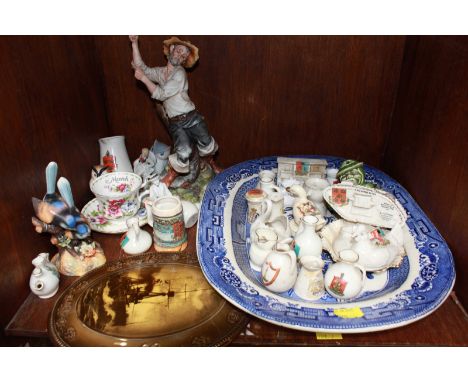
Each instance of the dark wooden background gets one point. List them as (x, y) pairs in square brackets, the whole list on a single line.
[(396, 103)]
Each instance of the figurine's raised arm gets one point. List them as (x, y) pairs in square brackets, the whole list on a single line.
[(138, 63), (137, 60)]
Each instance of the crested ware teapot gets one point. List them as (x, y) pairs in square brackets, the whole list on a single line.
[(309, 284), (344, 280), (376, 250), (373, 248), (279, 271), (262, 243)]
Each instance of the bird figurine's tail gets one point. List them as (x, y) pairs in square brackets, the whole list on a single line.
[(51, 177)]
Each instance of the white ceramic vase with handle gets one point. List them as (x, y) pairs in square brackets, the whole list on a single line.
[(307, 241)]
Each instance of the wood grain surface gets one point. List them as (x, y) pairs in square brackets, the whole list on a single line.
[(428, 146), (268, 95), (51, 108), (448, 325)]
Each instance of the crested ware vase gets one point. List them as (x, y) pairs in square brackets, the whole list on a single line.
[(309, 284), (307, 241), (113, 154)]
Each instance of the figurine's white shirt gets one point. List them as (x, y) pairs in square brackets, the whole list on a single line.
[(173, 91)]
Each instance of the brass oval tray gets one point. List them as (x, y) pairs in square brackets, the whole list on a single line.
[(146, 300)]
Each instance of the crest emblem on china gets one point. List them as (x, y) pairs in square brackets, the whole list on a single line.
[(339, 196), (338, 285)]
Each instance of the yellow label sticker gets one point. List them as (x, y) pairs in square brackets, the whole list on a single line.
[(328, 336), (349, 312)]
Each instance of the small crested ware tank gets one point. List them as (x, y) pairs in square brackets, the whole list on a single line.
[(44, 281), (372, 230)]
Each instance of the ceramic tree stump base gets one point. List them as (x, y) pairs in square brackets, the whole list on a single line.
[(71, 265)]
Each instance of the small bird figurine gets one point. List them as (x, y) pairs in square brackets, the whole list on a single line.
[(60, 210)]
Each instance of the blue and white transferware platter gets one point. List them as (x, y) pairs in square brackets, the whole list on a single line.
[(394, 298)]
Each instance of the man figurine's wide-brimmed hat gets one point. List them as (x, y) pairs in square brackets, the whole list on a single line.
[(193, 56)]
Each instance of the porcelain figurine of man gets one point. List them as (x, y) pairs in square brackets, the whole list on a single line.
[(169, 85)]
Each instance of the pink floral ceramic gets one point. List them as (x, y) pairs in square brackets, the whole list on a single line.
[(99, 223), (117, 194)]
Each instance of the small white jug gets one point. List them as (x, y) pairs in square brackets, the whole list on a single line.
[(279, 271), (44, 281), (262, 243), (267, 182)]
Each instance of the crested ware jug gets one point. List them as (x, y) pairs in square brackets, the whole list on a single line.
[(44, 281), (262, 243), (279, 271), (266, 182), (309, 284), (307, 241), (277, 204)]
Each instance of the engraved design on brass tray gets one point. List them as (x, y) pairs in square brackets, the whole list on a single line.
[(146, 300)]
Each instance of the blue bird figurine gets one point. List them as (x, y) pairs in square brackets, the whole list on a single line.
[(60, 210)]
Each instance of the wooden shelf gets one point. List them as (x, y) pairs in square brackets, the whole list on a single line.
[(447, 326)]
